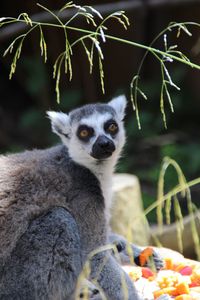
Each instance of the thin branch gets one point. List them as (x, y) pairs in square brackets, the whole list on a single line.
[(169, 54), (104, 9), (128, 42)]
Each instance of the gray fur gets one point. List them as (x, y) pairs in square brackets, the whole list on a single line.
[(36, 181), (52, 215), (41, 264), (87, 110)]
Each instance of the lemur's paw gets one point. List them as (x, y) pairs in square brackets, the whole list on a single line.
[(158, 261), (89, 289), (144, 259), (127, 252)]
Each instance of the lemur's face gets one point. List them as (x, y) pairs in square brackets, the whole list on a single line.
[(97, 136), (93, 133)]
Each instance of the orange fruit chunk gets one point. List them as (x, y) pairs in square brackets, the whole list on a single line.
[(184, 297), (168, 290), (144, 256), (168, 263), (182, 288)]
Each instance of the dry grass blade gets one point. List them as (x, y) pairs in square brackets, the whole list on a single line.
[(184, 190), (43, 45)]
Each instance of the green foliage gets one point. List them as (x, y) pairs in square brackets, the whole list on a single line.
[(70, 99), (65, 58), (36, 78), (149, 200), (187, 155), (34, 125), (94, 39)]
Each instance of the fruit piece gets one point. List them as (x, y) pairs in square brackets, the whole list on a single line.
[(168, 263), (168, 278), (195, 289), (134, 272), (144, 256), (195, 277), (152, 278), (169, 290), (186, 271), (179, 267), (184, 297), (146, 273), (182, 288), (193, 284)]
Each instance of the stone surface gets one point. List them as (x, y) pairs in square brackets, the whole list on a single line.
[(168, 236), (126, 218), (127, 209)]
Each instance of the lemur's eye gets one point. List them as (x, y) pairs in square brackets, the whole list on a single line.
[(111, 127), (85, 132)]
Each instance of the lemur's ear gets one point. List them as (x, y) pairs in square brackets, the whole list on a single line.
[(59, 123), (119, 105)]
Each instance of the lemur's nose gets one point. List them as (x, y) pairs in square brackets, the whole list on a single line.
[(105, 143), (103, 147)]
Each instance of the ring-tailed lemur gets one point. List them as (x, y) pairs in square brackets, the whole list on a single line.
[(54, 208)]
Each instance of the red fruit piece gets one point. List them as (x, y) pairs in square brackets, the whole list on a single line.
[(193, 284), (146, 273), (186, 271)]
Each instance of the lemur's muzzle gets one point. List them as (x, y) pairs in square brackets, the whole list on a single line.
[(103, 147)]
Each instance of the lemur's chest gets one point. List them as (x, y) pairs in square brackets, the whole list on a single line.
[(104, 176)]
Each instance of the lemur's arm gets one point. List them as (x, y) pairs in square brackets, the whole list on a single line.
[(46, 261), (122, 245), (112, 280), (111, 275)]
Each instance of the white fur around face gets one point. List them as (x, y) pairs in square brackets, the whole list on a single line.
[(80, 152)]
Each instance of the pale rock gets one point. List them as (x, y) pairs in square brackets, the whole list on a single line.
[(127, 209)]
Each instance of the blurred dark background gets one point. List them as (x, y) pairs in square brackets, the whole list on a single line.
[(31, 92)]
